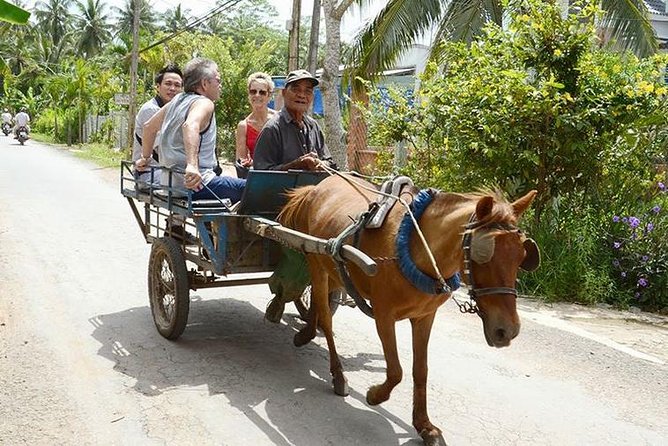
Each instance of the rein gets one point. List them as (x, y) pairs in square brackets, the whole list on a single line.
[(409, 269), (429, 285)]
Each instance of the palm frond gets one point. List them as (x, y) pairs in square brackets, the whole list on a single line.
[(392, 31), (627, 24)]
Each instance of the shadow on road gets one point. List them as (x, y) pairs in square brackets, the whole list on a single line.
[(232, 350)]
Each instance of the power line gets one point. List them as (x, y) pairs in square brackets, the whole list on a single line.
[(215, 11)]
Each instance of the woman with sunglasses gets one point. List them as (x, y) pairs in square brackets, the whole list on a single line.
[(260, 88)]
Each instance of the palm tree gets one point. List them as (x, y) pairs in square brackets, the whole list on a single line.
[(147, 18), (401, 22), (175, 19), (94, 29), (53, 18)]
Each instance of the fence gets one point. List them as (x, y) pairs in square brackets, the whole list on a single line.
[(117, 132)]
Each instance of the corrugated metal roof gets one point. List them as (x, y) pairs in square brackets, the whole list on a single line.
[(656, 7)]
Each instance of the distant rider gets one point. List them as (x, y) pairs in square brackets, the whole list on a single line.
[(21, 120), (6, 117)]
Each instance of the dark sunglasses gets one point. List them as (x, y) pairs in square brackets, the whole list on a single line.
[(253, 92)]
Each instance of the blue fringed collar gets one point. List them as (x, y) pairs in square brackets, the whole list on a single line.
[(408, 268)]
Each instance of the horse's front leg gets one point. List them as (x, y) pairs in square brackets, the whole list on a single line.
[(431, 435), (381, 392)]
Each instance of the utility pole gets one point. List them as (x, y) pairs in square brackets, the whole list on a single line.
[(313, 41), (293, 36), (132, 107)]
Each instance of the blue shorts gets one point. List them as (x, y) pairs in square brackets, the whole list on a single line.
[(223, 187)]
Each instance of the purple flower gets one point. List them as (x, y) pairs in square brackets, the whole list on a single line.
[(637, 295), (623, 274), (656, 209), (645, 258), (642, 282), (625, 220), (661, 186), (615, 263), (649, 227), (634, 222), (616, 245), (615, 219)]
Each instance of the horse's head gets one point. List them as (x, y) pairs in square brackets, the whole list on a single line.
[(498, 249)]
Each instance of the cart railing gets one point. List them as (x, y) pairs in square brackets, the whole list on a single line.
[(243, 233)]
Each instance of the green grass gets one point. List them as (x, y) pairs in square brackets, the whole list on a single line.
[(101, 154), (42, 137)]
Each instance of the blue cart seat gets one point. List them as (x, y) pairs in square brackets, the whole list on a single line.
[(265, 189)]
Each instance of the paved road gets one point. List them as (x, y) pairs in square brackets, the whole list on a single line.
[(81, 363)]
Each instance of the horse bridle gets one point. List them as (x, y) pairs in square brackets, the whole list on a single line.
[(475, 292)]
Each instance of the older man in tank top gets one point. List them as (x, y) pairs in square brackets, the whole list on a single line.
[(188, 128)]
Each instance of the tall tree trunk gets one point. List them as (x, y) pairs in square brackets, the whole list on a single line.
[(313, 41), (357, 129), (330, 80), (312, 57), (293, 37)]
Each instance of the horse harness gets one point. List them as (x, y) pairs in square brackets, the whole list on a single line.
[(475, 292), (409, 269)]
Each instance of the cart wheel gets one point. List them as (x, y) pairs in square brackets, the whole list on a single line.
[(303, 304), (168, 288)]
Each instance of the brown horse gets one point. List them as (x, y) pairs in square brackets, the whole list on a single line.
[(497, 250)]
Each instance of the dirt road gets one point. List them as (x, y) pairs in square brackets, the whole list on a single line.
[(82, 364)]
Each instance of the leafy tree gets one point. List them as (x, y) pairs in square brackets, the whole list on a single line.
[(175, 19), (54, 18), (147, 20), (93, 27), (402, 22), (537, 105)]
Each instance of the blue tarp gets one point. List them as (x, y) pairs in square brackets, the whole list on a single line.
[(317, 96)]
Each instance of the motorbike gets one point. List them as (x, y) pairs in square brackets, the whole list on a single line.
[(22, 135), (6, 128)]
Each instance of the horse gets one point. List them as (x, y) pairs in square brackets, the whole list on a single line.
[(497, 249)]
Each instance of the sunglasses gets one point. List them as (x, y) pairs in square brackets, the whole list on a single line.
[(253, 92)]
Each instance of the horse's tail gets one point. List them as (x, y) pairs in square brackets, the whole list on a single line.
[(291, 211)]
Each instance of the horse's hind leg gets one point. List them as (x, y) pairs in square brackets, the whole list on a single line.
[(431, 435), (381, 392)]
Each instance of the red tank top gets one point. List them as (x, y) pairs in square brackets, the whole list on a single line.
[(251, 139)]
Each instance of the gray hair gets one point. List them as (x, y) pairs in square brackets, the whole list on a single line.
[(261, 77), (196, 71)]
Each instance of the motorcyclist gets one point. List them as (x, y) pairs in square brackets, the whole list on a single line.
[(6, 120), (21, 120)]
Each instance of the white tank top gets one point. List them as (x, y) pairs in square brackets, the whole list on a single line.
[(172, 152)]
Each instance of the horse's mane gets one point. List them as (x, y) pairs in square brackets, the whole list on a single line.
[(502, 212), (295, 198)]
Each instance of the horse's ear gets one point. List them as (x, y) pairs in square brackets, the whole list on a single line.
[(532, 255), (522, 204), (484, 207)]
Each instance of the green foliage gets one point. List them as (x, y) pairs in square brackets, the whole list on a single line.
[(538, 106), (101, 154), (574, 264), (638, 244)]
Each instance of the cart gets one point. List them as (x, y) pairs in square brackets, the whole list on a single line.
[(218, 245)]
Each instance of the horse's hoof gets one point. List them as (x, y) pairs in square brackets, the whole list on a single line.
[(341, 386), (373, 397), (301, 338), (432, 438)]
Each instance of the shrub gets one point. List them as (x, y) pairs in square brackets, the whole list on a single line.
[(638, 241), (569, 238)]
